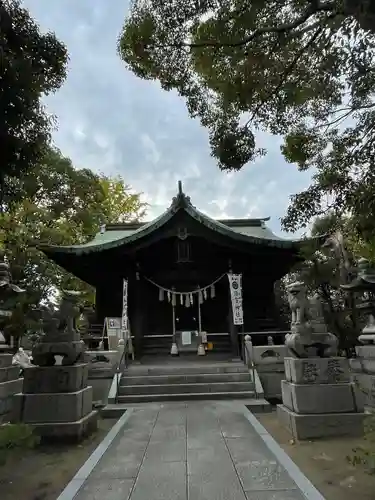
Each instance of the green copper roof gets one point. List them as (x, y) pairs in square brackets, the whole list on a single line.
[(246, 230)]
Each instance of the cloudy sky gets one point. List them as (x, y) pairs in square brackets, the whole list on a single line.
[(110, 121)]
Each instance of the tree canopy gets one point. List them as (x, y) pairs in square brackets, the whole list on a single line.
[(33, 64), (302, 69), (62, 205)]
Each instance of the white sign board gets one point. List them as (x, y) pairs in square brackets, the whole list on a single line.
[(186, 338), (113, 327), (235, 285)]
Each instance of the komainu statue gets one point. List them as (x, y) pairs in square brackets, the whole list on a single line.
[(60, 337), (309, 336)]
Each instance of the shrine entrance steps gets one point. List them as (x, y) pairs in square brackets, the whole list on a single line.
[(173, 379)]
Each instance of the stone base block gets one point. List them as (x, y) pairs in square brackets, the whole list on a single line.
[(11, 387), (364, 365), (67, 431), (365, 351), (321, 398), (317, 370), (365, 384), (320, 425), (271, 383), (52, 407), (6, 406), (9, 373), (6, 360), (55, 379), (276, 367)]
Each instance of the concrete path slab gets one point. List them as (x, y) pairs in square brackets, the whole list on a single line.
[(190, 451)]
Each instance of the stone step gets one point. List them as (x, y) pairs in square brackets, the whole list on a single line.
[(219, 387), (115, 410), (152, 398), (186, 369), (185, 379)]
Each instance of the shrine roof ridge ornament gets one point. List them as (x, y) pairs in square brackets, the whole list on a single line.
[(181, 200)]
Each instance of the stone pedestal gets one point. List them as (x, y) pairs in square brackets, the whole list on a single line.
[(10, 384), (319, 400), (363, 373), (56, 402)]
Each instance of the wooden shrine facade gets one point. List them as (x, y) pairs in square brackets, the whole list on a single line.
[(183, 251)]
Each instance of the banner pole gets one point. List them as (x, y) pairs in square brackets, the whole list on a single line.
[(174, 348)]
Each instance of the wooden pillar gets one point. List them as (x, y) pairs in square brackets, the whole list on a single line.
[(138, 311)]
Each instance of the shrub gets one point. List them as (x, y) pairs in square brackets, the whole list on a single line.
[(14, 436)]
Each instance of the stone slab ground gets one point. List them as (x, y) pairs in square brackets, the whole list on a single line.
[(194, 450), (325, 462)]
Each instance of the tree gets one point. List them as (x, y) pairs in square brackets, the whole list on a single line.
[(121, 203), (63, 206), (327, 267), (32, 64), (298, 68)]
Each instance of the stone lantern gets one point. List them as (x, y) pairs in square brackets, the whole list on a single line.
[(364, 284), (10, 381), (7, 291), (363, 366)]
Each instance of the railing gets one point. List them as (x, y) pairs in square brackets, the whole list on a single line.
[(249, 353), (121, 365), (249, 361), (278, 334)]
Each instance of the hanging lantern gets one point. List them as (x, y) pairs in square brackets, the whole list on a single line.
[(187, 301), (191, 299), (161, 294), (212, 290), (205, 294), (181, 299), (173, 299), (169, 296), (200, 297)]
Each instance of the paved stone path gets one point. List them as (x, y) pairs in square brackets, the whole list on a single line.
[(195, 451)]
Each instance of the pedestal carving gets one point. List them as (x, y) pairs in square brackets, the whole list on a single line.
[(319, 400)]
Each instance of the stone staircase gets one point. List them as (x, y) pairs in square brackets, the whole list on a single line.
[(184, 381)]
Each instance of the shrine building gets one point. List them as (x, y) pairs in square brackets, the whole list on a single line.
[(177, 268)]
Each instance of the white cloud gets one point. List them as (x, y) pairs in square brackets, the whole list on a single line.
[(111, 121)]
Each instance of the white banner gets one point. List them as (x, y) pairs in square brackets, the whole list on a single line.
[(235, 286), (124, 317)]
